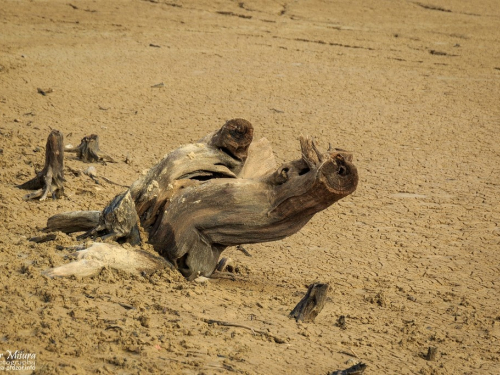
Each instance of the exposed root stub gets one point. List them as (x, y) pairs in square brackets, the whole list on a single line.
[(118, 222), (50, 180)]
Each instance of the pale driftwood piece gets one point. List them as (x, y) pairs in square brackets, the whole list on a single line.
[(91, 261), (50, 180), (260, 160), (204, 219), (42, 239), (88, 150), (311, 305), (76, 221)]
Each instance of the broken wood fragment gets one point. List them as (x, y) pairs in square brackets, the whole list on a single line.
[(70, 222), (44, 92), (276, 339), (226, 265), (311, 305), (88, 150), (42, 239), (341, 323), (91, 261), (243, 250), (50, 180)]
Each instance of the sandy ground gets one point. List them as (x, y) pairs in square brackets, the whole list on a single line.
[(412, 257)]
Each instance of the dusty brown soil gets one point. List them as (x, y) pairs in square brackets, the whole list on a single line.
[(412, 256)]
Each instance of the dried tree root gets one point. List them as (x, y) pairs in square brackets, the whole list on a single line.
[(89, 152), (224, 191), (311, 305), (51, 179)]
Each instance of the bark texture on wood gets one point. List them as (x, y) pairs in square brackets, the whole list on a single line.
[(311, 305), (431, 353), (88, 150), (50, 180)]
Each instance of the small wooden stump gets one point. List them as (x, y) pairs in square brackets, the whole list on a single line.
[(431, 353), (311, 305), (51, 178), (88, 150)]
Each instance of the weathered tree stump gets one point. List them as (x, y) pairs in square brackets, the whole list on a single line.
[(88, 150), (225, 191), (50, 180), (431, 353), (311, 305)]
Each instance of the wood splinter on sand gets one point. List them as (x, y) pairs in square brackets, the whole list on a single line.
[(221, 191), (311, 305), (50, 180)]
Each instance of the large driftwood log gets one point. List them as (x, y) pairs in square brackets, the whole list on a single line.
[(224, 191), (205, 219), (50, 180), (88, 150)]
